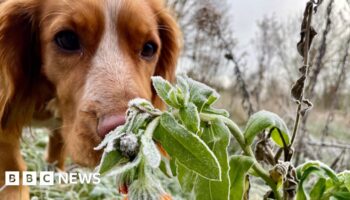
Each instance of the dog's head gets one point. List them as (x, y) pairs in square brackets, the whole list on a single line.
[(92, 56)]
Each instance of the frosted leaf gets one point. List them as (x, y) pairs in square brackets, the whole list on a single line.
[(113, 135), (119, 169), (150, 152)]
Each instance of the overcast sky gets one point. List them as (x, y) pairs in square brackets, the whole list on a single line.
[(246, 13)]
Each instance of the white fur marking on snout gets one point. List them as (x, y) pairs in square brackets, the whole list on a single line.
[(108, 63)]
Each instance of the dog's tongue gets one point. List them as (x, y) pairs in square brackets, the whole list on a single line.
[(108, 123)]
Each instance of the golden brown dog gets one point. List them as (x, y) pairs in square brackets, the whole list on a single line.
[(73, 66)]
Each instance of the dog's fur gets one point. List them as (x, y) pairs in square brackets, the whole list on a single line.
[(69, 92)]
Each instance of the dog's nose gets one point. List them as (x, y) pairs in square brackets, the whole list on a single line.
[(109, 122)]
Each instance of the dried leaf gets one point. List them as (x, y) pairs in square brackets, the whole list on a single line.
[(305, 29), (298, 87)]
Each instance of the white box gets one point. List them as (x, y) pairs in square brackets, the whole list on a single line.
[(47, 178), (29, 178), (12, 178)]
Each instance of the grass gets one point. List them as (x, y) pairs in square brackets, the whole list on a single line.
[(33, 151)]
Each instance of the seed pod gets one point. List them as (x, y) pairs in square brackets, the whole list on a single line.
[(129, 145), (279, 172)]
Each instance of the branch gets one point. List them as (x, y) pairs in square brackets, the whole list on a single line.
[(329, 145)]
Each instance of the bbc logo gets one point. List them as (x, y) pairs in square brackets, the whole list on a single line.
[(12, 178), (46, 178)]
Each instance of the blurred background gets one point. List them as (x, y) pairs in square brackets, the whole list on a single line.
[(247, 51)]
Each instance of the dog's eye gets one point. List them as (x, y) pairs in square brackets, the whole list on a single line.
[(67, 40), (148, 50)]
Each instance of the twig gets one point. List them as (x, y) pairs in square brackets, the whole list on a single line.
[(338, 159), (329, 145), (286, 148), (296, 124), (305, 68), (318, 67), (230, 56), (340, 79), (321, 52)]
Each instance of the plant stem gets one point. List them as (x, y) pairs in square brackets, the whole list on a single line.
[(238, 135), (296, 124), (306, 65), (266, 177), (235, 130), (262, 173)]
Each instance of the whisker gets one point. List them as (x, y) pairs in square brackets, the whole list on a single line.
[(60, 127), (160, 12)]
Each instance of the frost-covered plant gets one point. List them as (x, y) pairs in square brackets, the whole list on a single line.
[(189, 141)]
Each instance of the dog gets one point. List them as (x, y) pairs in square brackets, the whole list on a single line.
[(72, 66)]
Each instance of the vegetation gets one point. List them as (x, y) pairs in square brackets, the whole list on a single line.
[(196, 137), (249, 81), (193, 150)]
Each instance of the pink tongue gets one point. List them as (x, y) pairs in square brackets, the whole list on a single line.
[(108, 123)]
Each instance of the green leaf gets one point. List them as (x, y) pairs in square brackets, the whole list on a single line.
[(150, 152), (187, 148), (189, 117), (124, 166), (211, 110), (173, 166), (345, 178), (185, 90), (317, 168), (301, 194), (142, 104), (329, 172), (173, 96), (187, 178), (239, 167), (166, 166), (163, 88), (341, 195), (201, 95), (110, 138), (217, 137), (318, 189), (263, 120), (109, 160), (139, 122)]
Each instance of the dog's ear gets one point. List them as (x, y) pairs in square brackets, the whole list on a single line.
[(170, 36), (19, 61)]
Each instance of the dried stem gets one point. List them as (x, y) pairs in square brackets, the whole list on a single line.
[(230, 56), (330, 145), (321, 52), (306, 66)]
